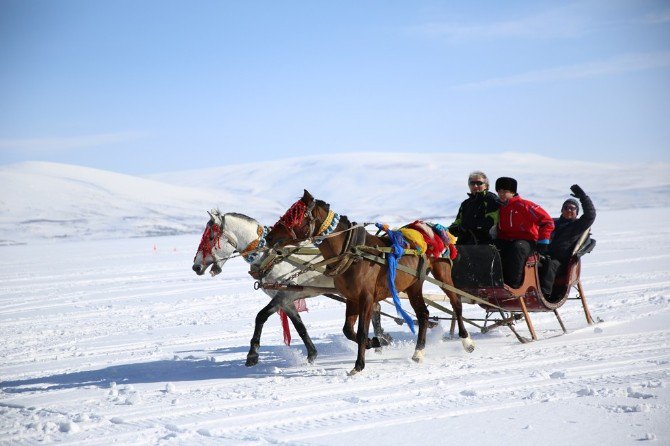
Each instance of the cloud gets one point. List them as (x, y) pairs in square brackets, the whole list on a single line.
[(565, 22), (69, 142), (620, 64), (571, 20), (657, 18)]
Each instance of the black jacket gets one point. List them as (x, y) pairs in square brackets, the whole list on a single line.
[(567, 232), (476, 216)]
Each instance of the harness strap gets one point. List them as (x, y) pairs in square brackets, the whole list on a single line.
[(345, 259), (371, 253), (403, 268)]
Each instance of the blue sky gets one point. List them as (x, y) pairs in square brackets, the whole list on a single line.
[(155, 86)]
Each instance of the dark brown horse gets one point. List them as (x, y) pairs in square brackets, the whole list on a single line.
[(362, 283)]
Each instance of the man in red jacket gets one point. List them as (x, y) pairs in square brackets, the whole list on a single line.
[(523, 227)]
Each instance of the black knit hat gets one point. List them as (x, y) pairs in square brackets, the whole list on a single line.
[(571, 201), (506, 183)]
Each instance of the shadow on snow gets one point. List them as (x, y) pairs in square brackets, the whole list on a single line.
[(275, 360), (188, 369)]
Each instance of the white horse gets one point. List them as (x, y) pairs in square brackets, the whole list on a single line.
[(230, 233)]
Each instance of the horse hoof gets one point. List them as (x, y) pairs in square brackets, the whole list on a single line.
[(311, 358), (353, 372), (375, 342), (385, 339), (468, 344), (251, 361), (418, 356)]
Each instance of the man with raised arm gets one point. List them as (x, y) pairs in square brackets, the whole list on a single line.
[(568, 229)]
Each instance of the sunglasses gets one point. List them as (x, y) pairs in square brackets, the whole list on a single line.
[(477, 183), (570, 208)]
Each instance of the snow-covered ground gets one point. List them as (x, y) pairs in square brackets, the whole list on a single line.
[(118, 341)]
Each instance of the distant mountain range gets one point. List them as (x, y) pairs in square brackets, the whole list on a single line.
[(47, 201)]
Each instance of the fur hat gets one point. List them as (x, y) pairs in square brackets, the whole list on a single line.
[(571, 201), (506, 183)]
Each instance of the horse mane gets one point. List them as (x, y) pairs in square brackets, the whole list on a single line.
[(322, 203), (241, 216)]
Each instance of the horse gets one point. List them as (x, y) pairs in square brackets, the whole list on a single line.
[(362, 283), (230, 233)]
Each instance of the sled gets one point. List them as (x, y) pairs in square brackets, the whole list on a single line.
[(478, 272)]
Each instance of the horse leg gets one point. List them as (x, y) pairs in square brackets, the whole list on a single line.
[(349, 321), (351, 334), (293, 314), (261, 317), (442, 272), (384, 338), (466, 340), (421, 310), (364, 316)]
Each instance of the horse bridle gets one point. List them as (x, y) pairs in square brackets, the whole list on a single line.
[(222, 233), (312, 223), (247, 253)]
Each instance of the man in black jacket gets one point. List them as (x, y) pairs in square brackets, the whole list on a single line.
[(567, 231)]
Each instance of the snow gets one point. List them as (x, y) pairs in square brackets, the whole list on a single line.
[(108, 337), (50, 201)]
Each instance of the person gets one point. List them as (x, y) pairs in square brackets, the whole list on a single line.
[(523, 227), (477, 214), (567, 231)]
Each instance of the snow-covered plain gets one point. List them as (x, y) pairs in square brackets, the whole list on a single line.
[(111, 338)]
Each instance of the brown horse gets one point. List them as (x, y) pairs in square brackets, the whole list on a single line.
[(362, 283)]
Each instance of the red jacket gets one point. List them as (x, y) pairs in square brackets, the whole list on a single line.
[(524, 220)]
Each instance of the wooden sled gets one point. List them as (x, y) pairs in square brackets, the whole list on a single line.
[(479, 272)]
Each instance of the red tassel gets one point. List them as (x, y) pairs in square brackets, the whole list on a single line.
[(453, 252), (285, 327), (300, 305)]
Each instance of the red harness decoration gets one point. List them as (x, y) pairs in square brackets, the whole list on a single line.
[(206, 245), (294, 216), (300, 305), (434, 242)]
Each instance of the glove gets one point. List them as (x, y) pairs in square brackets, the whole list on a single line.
[(542, 248), (577, 191), (457, 230)]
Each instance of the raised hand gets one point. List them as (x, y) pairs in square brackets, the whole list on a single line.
[(577, 191)]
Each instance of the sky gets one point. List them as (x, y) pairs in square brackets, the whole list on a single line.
[(159, 86)]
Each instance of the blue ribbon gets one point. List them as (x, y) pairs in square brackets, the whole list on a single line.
[(397, 250)]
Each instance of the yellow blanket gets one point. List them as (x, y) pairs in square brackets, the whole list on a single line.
[(415, 239)]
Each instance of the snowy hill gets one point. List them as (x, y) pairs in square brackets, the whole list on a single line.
[(56, 201), (375, 186), (42, 200)]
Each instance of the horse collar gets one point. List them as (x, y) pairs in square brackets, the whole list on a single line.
[(328, 226), (252, 251)]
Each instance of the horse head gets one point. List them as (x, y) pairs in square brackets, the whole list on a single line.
[(299, 223), (216, 245)]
